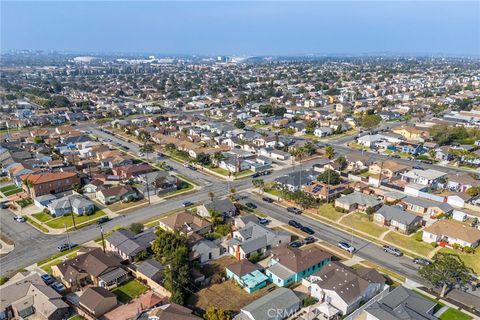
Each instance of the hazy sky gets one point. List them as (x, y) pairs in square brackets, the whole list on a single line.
[(249, 28)]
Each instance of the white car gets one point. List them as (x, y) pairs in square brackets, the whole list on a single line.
[(19, 219), (345, 246)]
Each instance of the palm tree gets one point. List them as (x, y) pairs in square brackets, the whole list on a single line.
[(329, 152), (232, 193), (28, 184), (147, 149)]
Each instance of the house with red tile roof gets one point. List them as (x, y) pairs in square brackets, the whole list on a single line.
[(49, 182)]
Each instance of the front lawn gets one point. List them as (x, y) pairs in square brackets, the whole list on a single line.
[(25, 202), (221, 171), (454, 314), (48, 267), (9, 190), (328, 211), (472, 260), (129, 290), (410, 243), (359, 221), (42, 216), (66, 220)]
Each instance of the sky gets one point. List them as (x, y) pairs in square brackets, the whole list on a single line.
[(243, 28)]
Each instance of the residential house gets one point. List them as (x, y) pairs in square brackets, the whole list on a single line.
[(410, 133), (429, 208), (131, 171), (135, 307), (93, 186), (276, 305), (443, 153), (294, 180), (49, 183), (128, 245), (343, 287), (322, 131), (97, 301), (247, 275), (116, 193), (357, 201), (43, 201), (357, 161), (461, 182), (91, 266), (397, 219), (157, 182), (450, 232), (389, 169), (203, 251), (169, 311), (255, 239), (150, 270), (73, 203), (26, 295), (288, 265), (186, 223), (401, 304), (241, 221), (429, 177), (321, 190), (225, 207), (274, 153)]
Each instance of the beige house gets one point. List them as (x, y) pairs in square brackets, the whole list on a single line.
[(186, 223), (389, 169), (452, 232), (98, 301)]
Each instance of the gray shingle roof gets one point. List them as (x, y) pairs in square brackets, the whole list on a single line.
[(394, 213), (279, 299)]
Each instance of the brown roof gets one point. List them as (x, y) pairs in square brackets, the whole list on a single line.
[(131, 309), (38, 178), (297, 259), (242, 267), (173, 311), (454, 229), (394, 166), (117, 190), (94, 296), (179, 221)]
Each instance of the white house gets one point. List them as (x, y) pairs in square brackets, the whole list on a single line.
[(452, 232)]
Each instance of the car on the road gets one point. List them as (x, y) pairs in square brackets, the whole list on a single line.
[(5, 204), (267, 199), (294, 210), (396, 156), (103, 220), (421, 261), (295, 224), (296, 244), (307, 230), (64, 247), (346, 246), (309, 239), (266, 172), (192, 168), (255, 175), (263, 221), (167, 168), (59, 287), (19, 218), (251, 205), (392, 250), (187, 204), (47, 278)]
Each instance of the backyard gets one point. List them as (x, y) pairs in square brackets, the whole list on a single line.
[(129, 290), (67, 221), (410, 243), (361, 222), (454, 314), (9, 190)]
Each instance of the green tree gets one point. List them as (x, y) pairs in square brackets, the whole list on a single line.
[(211, 195), (170, 147), (214, 313), (239, 124), (29, 185), (329, 152), (370, 121), (232, 192), (204, 159), (330, 177), (258, 183), (136, 227), (216, 217), (38, 139), (305, 200), (446, 271), (342, 162), (147, 149)]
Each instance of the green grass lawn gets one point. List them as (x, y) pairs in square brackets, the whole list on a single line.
[(454, 314), (25, 202), (35, 224), (472, 260), (59, 223), (410, 243), (359, 221), (59, 254), (9, 190), (42, 216), (48, 267), (221, 171), (328, 211), (129, 290)]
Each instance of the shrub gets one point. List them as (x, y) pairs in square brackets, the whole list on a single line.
[(255, 257), (3, 280), (456, 246), (338, 209), (468, 249), (418, 236), (308, 301), (434, 244), (223, 229)]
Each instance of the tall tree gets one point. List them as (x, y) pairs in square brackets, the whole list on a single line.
[(147, 148), (214, 313), (446, 271), (232, 193), (211, 195), (329, 152)]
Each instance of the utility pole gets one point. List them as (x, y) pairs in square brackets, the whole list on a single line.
[(103, 239), (68, 237), (72, 213), (148, 188)]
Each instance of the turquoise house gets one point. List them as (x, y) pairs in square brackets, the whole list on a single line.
[(247, 275), (289, 265)]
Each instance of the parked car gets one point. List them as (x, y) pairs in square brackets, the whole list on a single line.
[(294, 210), (251, 205), (187, 204), (19, 218), (307, 230), (263, 221), (103, 220), (64, 247), (267, 199), (59, 287), (296, 244), (295, 224), (392, 250), (5, 204), (255, 175), (421, 261), (309, 239), (346, 246), (47, 278)]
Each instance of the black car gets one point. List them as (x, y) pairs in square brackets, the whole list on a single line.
[(294, 210), (251, 205), (103, 220), (187, 204), (295, 224), (265, 173), (421, 261), (256, 175), (296, 244), (267, 199), (309, 239), (263, 221), (307, 230)]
